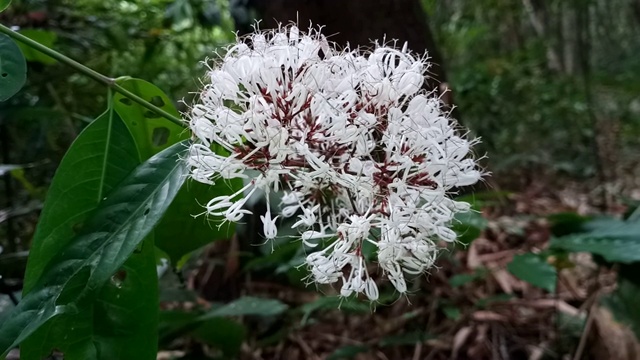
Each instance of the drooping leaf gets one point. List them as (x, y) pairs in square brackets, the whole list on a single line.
[(614, 240), (44, 37), (4, 4), (126, 313), (535, 270), (452, 312), (120, 323), (13, 68), (248, 305), (151, 131), (100, 157), (109, 237)]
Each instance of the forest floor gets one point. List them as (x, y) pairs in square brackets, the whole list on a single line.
[(470, 306)]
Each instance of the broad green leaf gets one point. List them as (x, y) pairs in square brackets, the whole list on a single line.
[(180, 13), (107, 240), (120, 323), (126, 313), (101, 156), (13, 68), (4, 4), (248, 306), (462, 279), (151, 131), (535, 270), (44, 37), (614, 240), (179, 232)]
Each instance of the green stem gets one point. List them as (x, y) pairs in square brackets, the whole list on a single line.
[(102, 79)]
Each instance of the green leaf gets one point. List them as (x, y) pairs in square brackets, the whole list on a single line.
[(108, 238), (4, 4), (566, 223), (623, 303), (224, 334), (248, 305), (44, 37), (333, 303), (452, 312), (468, 226), (179, 222), (152, 132), (614, 240), (121, 322), (174, 323), (100, 157), (535, 270), (461, 279), (13, 68), (126, 312), (348, 352)]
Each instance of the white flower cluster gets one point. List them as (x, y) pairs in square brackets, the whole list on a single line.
[(360, 151)]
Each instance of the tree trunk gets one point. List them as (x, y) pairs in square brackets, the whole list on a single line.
[(359, 23)]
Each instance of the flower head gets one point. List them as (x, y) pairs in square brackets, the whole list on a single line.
[(362, 153)]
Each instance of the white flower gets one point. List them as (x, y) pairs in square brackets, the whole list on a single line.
[(362, 153)]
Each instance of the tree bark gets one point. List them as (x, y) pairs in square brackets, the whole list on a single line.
[(359, 23)]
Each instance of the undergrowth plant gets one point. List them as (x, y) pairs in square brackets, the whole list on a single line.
[(346, 141)]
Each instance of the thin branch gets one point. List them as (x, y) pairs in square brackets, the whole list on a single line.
[(100, 78)]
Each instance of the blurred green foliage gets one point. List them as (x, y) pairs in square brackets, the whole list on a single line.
[(148, 39), (533, 82), (534, 96)]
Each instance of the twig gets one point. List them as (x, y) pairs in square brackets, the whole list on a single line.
[(586, 331), (102, 79), (417, 351)]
